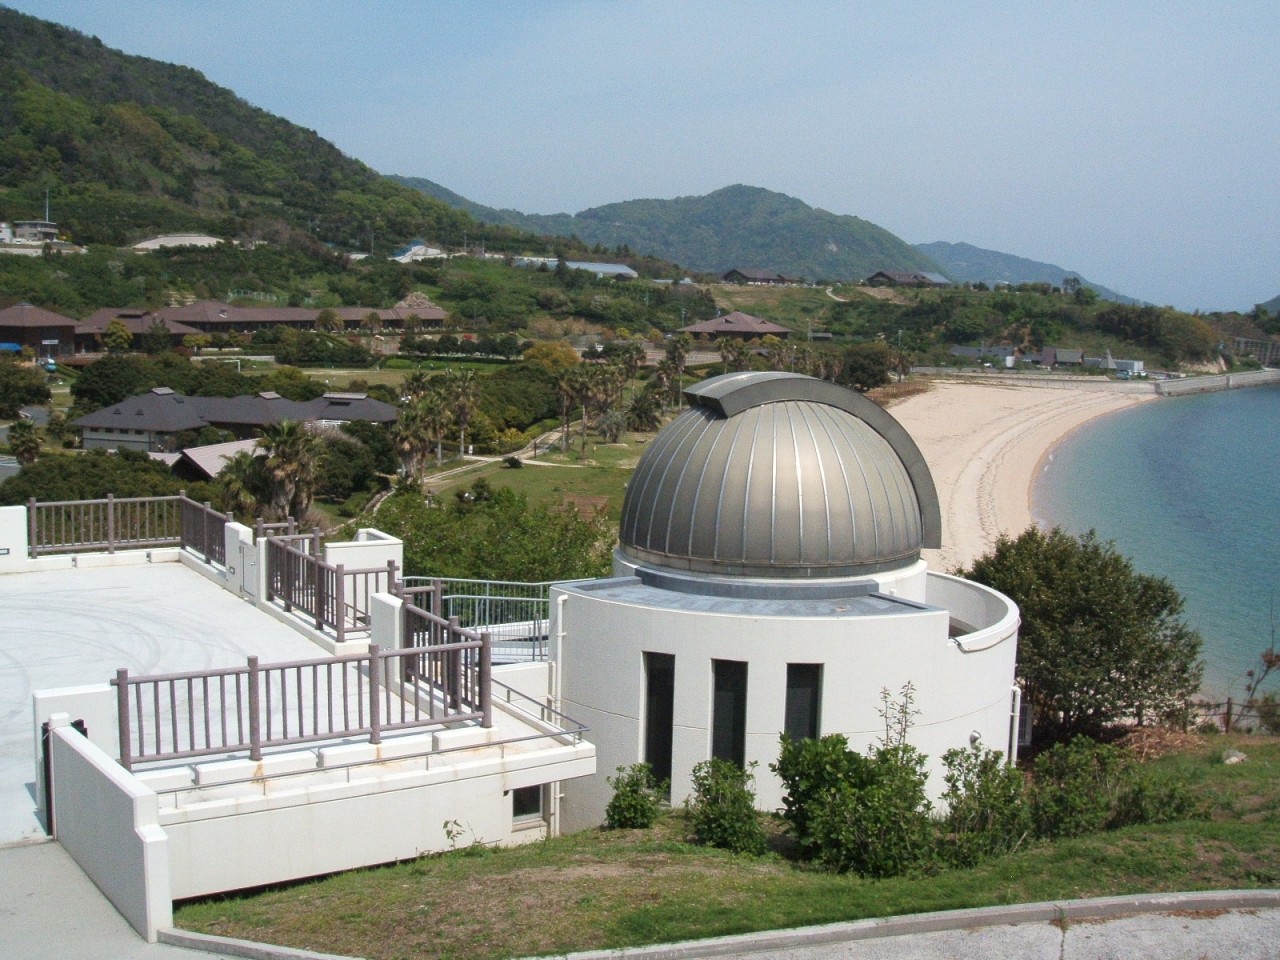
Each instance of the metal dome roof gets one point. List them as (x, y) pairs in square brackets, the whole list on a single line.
[(780, 475)]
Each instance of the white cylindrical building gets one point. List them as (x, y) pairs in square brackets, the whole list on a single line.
[(769, 579)]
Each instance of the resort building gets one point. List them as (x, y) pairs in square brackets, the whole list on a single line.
[(736, 326), (768, 580), (153, 421)]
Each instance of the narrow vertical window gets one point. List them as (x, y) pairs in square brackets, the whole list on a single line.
[(659, 712), (729, 711), (804, 701)]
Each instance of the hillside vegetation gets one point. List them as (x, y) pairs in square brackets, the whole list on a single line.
[(737, 226), (128, 146)]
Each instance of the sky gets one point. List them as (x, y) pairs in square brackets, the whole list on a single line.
[(1135, 142)]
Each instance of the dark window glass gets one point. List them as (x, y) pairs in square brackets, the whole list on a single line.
[(729, 711), (804, 700), (659, 712), (526, 802)]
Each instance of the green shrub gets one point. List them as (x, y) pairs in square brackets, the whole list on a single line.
[(723, 808), (809, 769), (987, 812), (1268, 713), (882, 828), (1148, 798), (636, 798), (1076, 787)]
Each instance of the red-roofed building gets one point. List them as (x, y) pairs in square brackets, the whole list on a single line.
[(743, 326)]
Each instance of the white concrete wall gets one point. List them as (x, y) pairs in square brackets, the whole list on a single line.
[(109, 823), (95, 704), (13, 539), (337, 818), (601, 659)]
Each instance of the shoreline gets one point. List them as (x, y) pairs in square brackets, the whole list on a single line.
[(986, 444)]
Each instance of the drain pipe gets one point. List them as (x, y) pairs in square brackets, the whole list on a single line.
[(554, 682), (1015, 724)]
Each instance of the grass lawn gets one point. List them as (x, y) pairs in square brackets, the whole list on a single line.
[(602, 472), (605, 889)]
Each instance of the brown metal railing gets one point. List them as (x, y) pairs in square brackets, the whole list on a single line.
[(330, 595), (262, 706), (111, 524), (204, 530), (449, 658), (126, 523)]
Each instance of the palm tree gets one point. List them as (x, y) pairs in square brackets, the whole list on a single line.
[(416, 385), (411, 439), (433, 407), (644, 411), (567, 385), (293, 455), (463, 395), (242, 482), (24, 442)]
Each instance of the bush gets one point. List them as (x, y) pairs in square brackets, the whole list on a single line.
[(882, 829), (987, 812), (636, 798), (809, 769), (1151, 799), (723, 810), (1076, 787)]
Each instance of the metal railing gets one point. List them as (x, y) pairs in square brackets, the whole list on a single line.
[(331, 596), (448, 657), (516, 614), (257, 707), (204, 530), (110, 524)]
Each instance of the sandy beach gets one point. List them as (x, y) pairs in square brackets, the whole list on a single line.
[(985, 442)]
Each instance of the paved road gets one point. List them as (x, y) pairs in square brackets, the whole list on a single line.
[(49, 910)]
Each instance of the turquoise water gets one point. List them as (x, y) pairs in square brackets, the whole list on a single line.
[(1188, 488)]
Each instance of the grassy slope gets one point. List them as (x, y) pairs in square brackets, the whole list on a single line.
[(599, 889)]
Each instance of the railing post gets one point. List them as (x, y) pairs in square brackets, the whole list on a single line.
[(122, 718), (31, 528), (453, 666), (204, 535), (486, 679), (340, 601), (375, 698), (111, 523), (319, 594), (393, 580), (255, 721), (437, 605)]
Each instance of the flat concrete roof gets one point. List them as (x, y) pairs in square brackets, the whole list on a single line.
[(70, 627), (630, 590)]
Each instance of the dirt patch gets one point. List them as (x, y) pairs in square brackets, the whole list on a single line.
[(1150, 743)]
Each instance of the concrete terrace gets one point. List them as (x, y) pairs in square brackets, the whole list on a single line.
[(72, 627)]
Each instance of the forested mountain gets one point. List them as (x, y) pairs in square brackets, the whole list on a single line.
[(738, 226), (129, 146), (965, 262)]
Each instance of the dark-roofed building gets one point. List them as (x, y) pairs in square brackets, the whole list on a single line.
[(748, 275), (47, 333), (739, 325), (212, 316), (906, 278), (135, 319), (151, 421)]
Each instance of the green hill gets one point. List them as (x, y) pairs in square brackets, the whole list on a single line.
[(965, 262), (128, 146), (738, 226)]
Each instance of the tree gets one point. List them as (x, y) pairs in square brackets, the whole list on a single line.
[(244, 487), (866, 366), (293, 454), (19, 385), (117, 338), (1100, 642), (156, 339), (463, 394), (24, 442)]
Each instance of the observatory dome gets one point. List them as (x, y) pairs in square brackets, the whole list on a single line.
[(777, 475)]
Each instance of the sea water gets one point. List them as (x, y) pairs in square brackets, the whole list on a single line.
[(1189, 489)]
